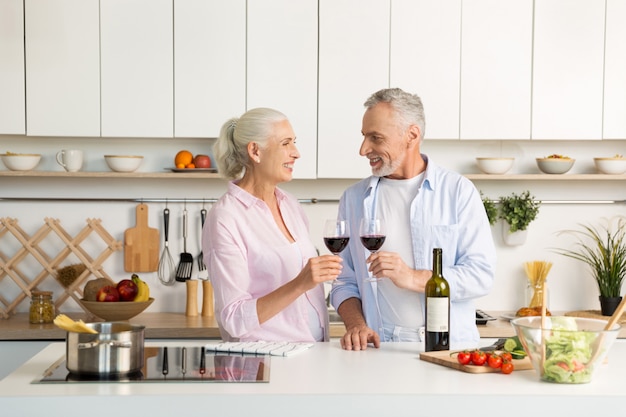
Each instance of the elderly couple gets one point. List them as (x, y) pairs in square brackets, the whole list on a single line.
[(268, 279)]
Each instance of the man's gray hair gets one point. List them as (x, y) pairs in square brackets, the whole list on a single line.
[(408, 107)]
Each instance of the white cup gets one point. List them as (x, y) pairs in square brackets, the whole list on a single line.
[(70, 159)]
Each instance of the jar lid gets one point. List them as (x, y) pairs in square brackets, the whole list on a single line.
[(42, 293)]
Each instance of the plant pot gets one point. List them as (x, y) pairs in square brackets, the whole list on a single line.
[(516, 238), (609, 304)]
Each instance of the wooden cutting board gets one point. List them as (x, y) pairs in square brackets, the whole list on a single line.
[(443, 357), (141, 244)]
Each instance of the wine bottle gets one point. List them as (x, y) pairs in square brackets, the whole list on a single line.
[(437, 293)]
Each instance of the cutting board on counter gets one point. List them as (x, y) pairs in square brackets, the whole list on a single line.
[(443, 357), (141, 244)]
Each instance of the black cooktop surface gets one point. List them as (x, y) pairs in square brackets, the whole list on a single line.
[(174, 365)]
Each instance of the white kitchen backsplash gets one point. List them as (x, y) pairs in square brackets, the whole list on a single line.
[(570, 286)]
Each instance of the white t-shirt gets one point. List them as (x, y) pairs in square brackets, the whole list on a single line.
[(398, 307)]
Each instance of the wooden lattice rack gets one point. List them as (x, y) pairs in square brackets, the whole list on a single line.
[(31, 247)]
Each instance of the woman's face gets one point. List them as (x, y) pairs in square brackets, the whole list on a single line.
[(279, 155)]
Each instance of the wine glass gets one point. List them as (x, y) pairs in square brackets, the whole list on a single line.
[(373, 234), (336, 235)]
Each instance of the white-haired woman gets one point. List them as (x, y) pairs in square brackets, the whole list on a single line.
[(265, 271)]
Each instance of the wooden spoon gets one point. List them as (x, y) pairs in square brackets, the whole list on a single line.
[(544, 301), (617, 314)]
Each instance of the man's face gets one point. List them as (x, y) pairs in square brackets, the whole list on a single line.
[(384, 142)]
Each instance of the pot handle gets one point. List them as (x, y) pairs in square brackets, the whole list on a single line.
[(111, 343)]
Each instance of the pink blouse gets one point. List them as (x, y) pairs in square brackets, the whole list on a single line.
[(247, 257)]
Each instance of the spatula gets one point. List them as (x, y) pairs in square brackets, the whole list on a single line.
[(185, 265)]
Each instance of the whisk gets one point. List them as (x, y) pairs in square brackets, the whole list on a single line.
[(167, 267)]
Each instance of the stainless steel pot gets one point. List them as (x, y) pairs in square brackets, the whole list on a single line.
[(117, 349)]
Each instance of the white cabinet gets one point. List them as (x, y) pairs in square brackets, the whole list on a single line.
[(496, 68), (12, 110), (282, 69), (425, 59), (615, 71), (209, 65), (568, 64), (353, 64), (137, 75), (63, 68)]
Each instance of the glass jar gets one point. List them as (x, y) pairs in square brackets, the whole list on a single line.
[(41, 307), (534, 296)]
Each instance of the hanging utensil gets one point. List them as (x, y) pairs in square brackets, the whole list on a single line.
[(167, 267), (185, 265), (203, 274)]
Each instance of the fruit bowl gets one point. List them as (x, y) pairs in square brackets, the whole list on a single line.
[(615, 165), (568, 350), (116, 310), (123, 163), (20, 161), (495, 165), (555, 165)]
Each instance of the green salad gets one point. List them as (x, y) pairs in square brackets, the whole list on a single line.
[(568, 352)]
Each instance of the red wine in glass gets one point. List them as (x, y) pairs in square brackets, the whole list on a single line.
[(336, 244), (373, 235), (336, 235)]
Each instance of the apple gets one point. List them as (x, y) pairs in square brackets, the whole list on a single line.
[(202, 161), (127, 289), (108, 293)]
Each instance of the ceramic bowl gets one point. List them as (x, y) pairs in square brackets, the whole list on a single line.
[(20, 161), (495, 165), (568, 350), (555, 165), (123, 163), (116, 310), (613, 165)]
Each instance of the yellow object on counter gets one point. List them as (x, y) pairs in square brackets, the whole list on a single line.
[(65, 323), (537, 273)]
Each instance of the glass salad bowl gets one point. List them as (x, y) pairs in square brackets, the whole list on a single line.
[(568, 349)]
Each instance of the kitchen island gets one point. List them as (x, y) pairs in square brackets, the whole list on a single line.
[(324, 380)]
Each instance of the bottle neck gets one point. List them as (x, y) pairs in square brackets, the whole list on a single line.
[(437, 262)]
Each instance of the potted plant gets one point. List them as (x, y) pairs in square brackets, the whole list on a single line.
[(490, 209), (517, 211), (604, 251)]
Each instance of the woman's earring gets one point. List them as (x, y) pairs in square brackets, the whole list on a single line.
[(258, 160)]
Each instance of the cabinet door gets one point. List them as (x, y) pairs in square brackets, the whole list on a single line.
[(210, 65), (353, 64), (425, 59), (137, 68), (496, 69), (568, 69), (615, 71), (282, 69), (63, 68), (12, 107)]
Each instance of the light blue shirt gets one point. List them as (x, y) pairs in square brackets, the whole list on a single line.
[(446, 213)]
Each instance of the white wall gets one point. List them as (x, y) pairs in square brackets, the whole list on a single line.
[(571, 288)]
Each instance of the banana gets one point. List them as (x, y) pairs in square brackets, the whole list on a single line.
[(144, 291)]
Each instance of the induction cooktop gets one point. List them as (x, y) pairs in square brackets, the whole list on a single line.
[(174, 365)]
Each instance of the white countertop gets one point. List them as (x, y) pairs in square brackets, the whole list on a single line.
[(324, 380)]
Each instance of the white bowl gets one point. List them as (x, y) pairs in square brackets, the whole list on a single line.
[(555, 165), (20, 161), (123, 163), (610, 165), (495, 165)]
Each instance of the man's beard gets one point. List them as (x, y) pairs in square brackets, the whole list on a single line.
[(387, 168)]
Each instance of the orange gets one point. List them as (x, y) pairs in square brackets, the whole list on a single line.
[(184, 158), (190, 166)]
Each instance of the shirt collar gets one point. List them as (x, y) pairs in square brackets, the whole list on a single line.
[(248, 199)]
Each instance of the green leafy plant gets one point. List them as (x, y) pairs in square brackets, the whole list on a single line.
[(519, 210), (490, 209), (604, 250)]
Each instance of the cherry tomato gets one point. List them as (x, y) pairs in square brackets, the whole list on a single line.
[(478, 357), (506, 356), (507, 367), (463, 357), (495, 361)]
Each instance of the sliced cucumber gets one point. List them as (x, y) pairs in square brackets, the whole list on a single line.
[(510, 345)]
